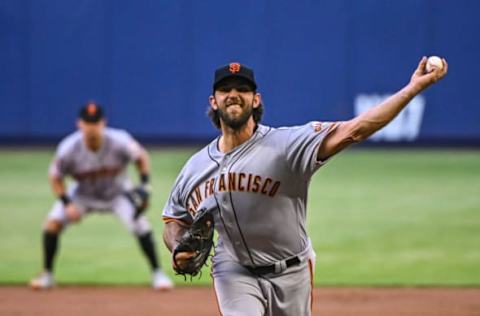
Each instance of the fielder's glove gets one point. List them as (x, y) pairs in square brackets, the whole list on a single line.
[(198, 238), (139, 197)]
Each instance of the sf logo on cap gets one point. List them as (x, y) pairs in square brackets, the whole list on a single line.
[(234, 67), (91, 109)]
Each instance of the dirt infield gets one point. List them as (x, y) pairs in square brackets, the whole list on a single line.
[(200, 301)]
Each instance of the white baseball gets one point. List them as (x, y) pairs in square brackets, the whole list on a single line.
[(434, 62)]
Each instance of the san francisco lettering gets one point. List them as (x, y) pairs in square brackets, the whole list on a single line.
[(232, 182), (93, 175)]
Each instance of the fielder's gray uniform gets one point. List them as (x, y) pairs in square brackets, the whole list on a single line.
[(100, 177), (264, 262)]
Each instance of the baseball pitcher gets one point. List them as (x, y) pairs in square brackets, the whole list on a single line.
[(253, 180)]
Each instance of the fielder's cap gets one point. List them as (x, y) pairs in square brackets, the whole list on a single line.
[(234, 70), (91, 112)]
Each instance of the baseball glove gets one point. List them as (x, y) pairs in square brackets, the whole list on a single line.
[(198, 238), (139, 197)]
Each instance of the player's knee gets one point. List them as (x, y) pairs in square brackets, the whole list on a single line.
[(140, 228), (53, 226), (139, 232)]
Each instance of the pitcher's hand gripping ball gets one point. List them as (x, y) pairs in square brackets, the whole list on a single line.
[(139, 197), (433, 62), (197, 239)]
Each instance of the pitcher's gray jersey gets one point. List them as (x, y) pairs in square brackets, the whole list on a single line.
[(258, 192), (101, 175)]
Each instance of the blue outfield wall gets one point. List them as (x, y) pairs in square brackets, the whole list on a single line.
[(151, 63)]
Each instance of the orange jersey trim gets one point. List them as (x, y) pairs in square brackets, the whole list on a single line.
[(176, 220), (310, 266), (332, 127)]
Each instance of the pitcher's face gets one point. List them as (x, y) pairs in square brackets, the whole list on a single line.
[(235, 100)]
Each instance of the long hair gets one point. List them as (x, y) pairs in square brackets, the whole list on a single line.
[(257, 114)]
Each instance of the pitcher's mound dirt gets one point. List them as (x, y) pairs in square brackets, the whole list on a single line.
[(200, 301)]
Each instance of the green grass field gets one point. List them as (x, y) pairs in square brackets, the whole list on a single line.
[(375, 217)]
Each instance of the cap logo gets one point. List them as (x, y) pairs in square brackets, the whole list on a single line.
[(234, 67), (91, 109)]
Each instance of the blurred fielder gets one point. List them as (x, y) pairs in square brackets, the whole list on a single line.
[(254, 180), (96, 157)]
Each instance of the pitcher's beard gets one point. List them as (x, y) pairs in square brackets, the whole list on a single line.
[(235, 123)]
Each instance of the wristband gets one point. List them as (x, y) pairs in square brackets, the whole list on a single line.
[(65, 199), (144, 178)]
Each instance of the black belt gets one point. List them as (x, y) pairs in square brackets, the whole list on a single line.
[(271, 268)]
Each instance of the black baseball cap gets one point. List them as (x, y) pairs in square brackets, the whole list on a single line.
[(91, 112), (234, 70)]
